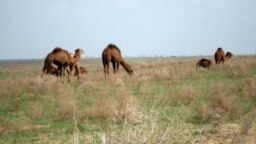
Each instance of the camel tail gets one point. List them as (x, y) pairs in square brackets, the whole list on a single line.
[(127, 67)]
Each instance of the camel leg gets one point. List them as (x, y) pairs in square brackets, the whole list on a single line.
[(114, 66), (78, 71), (61, 73), (71, 69), (68, 75), (117, 66), (106, 68)]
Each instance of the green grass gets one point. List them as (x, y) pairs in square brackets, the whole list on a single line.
[(165, 101)]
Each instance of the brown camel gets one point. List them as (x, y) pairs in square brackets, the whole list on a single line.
[(219, 56), (113, 54), (229, 55), (59, 57), (75, 62), (62, 58), (82, 69), (205, 63), (52, 70)]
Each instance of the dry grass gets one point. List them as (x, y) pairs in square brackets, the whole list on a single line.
[(166, 101)]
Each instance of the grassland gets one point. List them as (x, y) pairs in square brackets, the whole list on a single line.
[(166, 101)]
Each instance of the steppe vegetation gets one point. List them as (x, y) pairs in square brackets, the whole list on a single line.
[(166, 100)]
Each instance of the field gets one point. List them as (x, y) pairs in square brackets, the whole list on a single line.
[(166, 101)]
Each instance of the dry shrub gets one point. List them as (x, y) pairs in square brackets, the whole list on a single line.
[(126, 108), (102, 109), (218, 107), (66, 103), (203, 111), (36, 110), (247, 121), (10, 89), (239, 67), (219, 99), (113, 101), (152, 130), (187, 95), (250, 89)]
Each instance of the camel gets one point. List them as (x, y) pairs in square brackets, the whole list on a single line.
[(75, 62), (82, 69), (62, 58), (205, 63), (113, 54), (59, 57), (229, 55), (219, 56), (52, 70)]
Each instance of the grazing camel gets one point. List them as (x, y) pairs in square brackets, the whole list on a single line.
[(219, 56), (229, 55), (205, 63), (113, 54)]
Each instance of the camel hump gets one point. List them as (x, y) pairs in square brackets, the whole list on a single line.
[(57, 49), (204, 59), (219, 49), (113, 46)]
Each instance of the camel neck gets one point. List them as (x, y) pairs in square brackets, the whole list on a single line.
[(77, 55)]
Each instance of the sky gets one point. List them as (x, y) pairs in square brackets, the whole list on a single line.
[(30, 29)]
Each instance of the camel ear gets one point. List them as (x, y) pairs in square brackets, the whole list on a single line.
[(82, 51)]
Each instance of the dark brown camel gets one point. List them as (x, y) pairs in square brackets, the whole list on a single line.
[(59, 57), (113, 54), (52, 70), (205, 63), (219, 56), (229, 55)]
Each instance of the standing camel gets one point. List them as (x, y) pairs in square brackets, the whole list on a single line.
[(59, 57), (113, 54), (62, 59), (219, 56), (74, 62)]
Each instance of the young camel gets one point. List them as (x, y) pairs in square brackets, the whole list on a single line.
[(113, 54), (82, 69), (75, 62)]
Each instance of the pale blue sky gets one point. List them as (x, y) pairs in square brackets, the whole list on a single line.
[(32, 28)]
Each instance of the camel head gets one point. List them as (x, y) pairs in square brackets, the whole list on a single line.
[(129, 69), (81, 51)]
